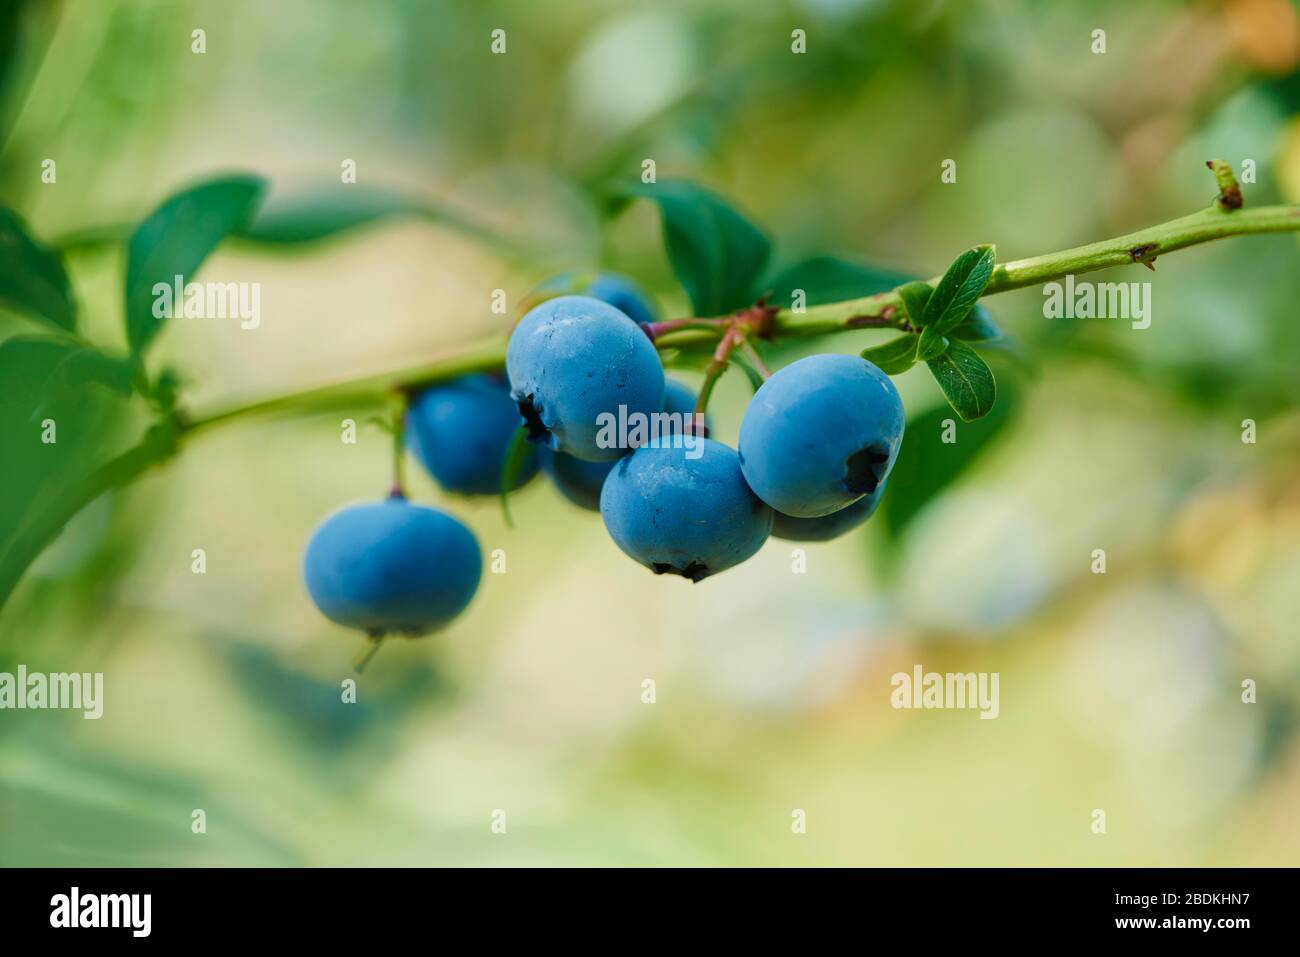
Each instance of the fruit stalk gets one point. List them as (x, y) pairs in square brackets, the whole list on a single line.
[(721, 358)]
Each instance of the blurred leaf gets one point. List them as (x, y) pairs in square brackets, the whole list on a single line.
[(966, 380), (176, 238), (59, 380), (915, 295), (307, 219), (830, 279), (716, 253), (310, 707), (512, 468), (15, 31), (32, 278), (74, 806), (927, 465), (338, 208), (894, 357), (84, 365), (959, 289)]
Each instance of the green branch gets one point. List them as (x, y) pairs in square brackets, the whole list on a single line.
[(1142, 246), (47, 518), (881, 310)]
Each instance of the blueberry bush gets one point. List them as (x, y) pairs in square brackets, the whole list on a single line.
[(817, 446)]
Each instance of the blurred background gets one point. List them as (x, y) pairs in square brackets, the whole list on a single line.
[(1119, 691)]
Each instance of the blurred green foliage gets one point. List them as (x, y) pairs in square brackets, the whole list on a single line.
[(479, 171)]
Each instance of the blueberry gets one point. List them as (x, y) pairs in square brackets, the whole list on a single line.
[(461, 430), (684, 515), (680, 399), (621, 292), (820, 434), (391, 567), (826, 527), (624, 295), (580, 481), (574, 358), (577, 480)]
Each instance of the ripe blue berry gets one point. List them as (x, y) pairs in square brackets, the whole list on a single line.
[(820, 434), (574, 358), (685, 516), (624, 295), (461, 430), (621, 292), (391, 567), (826, 527), (580, 481)]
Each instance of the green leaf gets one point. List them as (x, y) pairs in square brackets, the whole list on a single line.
[(328, 211), (927, 465), (716, 253), (32, 278), (894, 357), (933, 343), (914, 296), (57, 423), (966, 380), (511, 468), (174, 241), (960, 288), (830, 279), (84, 365), (977, 327), (313, 217)]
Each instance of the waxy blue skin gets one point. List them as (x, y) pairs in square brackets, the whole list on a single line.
[(580, 481), (826, 527), (391, 566), (692, 517), (621, 292), (572, 359), (461, 431), (820, 434)]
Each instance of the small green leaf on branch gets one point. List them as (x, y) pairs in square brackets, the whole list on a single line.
[(960, 288), (933, 343), (966, 380), (893, 357)]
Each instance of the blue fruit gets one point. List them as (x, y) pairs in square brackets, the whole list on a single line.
[(577, 480), (826, 527), (391, 567), (684, 515), (461, 430), (572, 360), (621, 292), (624, 295), (580, 481), (820, 434), (680, 399)]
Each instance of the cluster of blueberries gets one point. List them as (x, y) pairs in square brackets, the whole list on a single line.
[(816, 444)]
